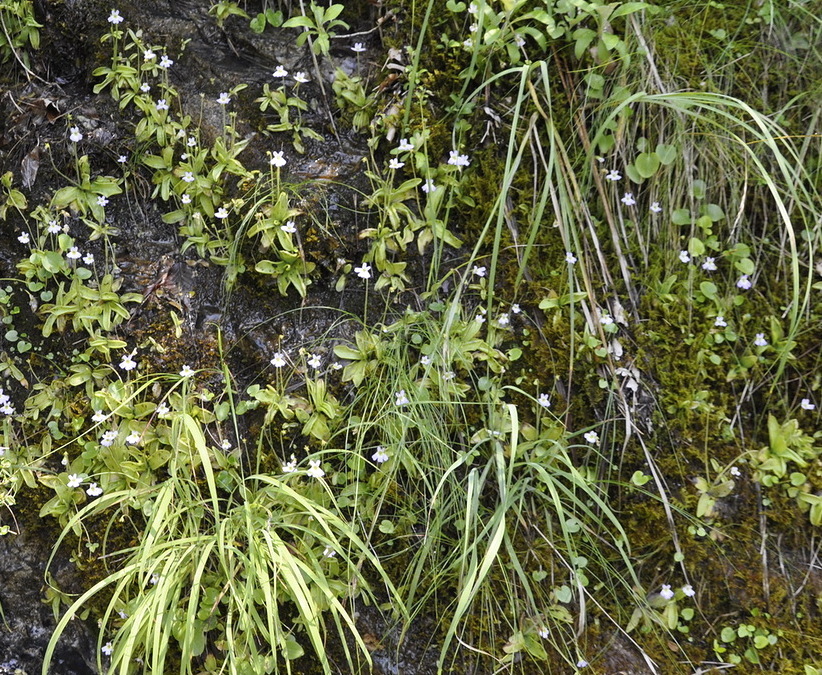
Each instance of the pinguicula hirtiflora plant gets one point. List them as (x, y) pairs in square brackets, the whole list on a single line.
[(580, 371)]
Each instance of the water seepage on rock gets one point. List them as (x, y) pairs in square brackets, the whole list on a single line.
[(29, 622)]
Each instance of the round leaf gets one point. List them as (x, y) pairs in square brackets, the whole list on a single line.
[(647, 164)]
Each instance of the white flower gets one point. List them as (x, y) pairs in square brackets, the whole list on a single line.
[(472, 8), (329, 552), (363, 271), (503, 319), (155, 579), (709, 265), (7, 409), (223, 98), (592, 437), (456, 159), (688, 590), (54, 227), (108, 649), (185, 198), (291, 466), (734, 471), (278, 360), (760, 340), (358, 47), (544, 633), (428, 186), (300, 77), (161, 104), (402, 399), (544, 400), (4, 448), (684, 257), (133, 438), (314, 360), (806, 404), (655, 207), (99, 416), (188, 177), (582, 663), (102, 201), (145, 87), (162, 410), (279, 71), (64, 461), (75, 480), (570, 258), (606, 320), (221, 213), (128, 362), (75, 136), (515, 308), (473, 28), (628, 199), (24, 238), (191, 142), (108, 437), (186, 371), (613, 175), (94, 490), (115, 18), (122, 159), (225, 444), (289, 227), (148, 55), (448, 375), (468, 43), (666, 592), (380, 456), (165, 62), (395, 163), (425, 360), (744, 283), (277, 159), (74, 253), (479, 318), (479, 271), (405, 145), (314, 469), (720, 322)]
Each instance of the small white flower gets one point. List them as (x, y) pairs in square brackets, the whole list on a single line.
[(161, 104), (358, 47), (64, 461), (186, 371), (7, 409), (108, 649), (544, 400), (191, 142), (128, 362), (402, 399), (544, 633), (154, 580), (277, 159), (456, 159), (122, 159), (162, 410), (428, 186), (4, 449), (279, 71), (479, 318), (329, 552), (300, 77), (666, 592), (606, 320), (314, 469), (115, 18), (655, 207), (473, 28), (94, 490), (223, 98), (107, 440), (165, 62), (225, 444), (74, 253), (479, 271), (145, 87), (278, 360), (363, 271), (221, 213), (570, 258), (760, 340), (503, 320), (395, 163), (709, 265), (380, 456), (472, 8), (185, 198), (582, 663), (289, 227), (734, 471), (102, 201), (314, 360), (448, 375), (24, 238), (425, 360), (99, 416), (806, 404), (720, 322), (613, 175), (290, 467), (688, 590), (54, 227), (133, 438), (519, 40), (148, 55), (188, 177), (468, 43), (744, 283), (75, 480), (75, 136), (684, 257), (405, 145), (515, 308), (592, 437), (628, 199)]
